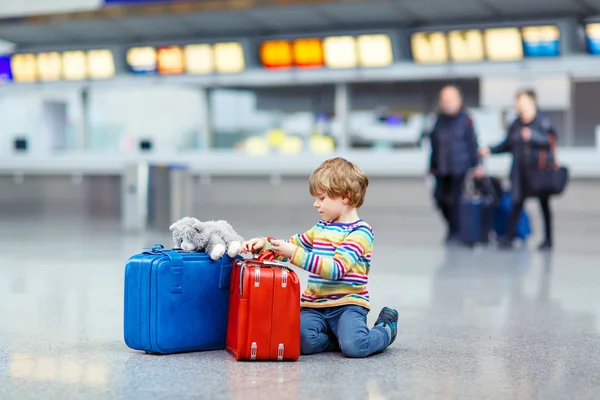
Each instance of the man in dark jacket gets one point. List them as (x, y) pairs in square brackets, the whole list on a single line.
[(454, 150), (530, 135)]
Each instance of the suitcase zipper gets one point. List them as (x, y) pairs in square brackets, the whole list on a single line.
[(280, 352), (253, 349)]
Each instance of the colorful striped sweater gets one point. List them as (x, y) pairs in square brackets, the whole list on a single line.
[(338, 258)]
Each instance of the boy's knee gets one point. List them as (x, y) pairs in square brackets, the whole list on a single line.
[(308, 341), (355, 347)]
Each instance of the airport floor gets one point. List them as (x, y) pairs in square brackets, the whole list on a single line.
[(474, 323)]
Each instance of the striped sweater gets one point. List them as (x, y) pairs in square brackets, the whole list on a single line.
[(338, 258)]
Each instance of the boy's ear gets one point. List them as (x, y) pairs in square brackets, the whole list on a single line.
[(345, 199)]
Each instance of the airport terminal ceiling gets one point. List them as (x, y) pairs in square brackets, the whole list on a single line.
[(219, 19)]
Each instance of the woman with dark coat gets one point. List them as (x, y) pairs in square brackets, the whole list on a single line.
[(530, 135), (454, 151)]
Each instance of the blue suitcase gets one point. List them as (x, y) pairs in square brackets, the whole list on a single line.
[(501, 215), (176, 302), (475, 220)]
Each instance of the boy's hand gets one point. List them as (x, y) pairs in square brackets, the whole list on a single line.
[(253, 245), (283, 248)]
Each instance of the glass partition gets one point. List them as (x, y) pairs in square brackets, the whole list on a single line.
[(400, 114), (145, 118), (269, 120)]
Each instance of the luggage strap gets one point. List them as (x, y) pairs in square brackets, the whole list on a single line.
[(177, 268), (542, 162), (176, 271)]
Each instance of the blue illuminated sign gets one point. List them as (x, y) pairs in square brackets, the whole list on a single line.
[(592, 35), (547, 48), (593, 45), (541, 41), (5, 70)]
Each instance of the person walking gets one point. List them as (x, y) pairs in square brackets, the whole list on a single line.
[(531, 133), (454, 151)]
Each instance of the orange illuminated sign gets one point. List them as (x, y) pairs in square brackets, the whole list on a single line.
[(170, 60), (276, 54), (308, 53)]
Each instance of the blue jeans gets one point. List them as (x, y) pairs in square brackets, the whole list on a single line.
[(340, 328)]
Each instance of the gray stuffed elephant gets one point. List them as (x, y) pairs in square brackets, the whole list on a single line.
[(213, 237)]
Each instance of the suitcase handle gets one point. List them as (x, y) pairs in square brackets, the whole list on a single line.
[(268, 255)]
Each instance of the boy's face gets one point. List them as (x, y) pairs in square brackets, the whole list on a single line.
[(329, 208)]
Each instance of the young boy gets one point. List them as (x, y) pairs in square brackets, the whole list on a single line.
[(337, 253)]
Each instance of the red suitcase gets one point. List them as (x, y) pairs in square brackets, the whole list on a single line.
[(264, 310)]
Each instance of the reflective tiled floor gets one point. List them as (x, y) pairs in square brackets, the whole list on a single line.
[(474, 324)]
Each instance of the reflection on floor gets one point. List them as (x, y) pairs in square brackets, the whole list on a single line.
[(477, 324)]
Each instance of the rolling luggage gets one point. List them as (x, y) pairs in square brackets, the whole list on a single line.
[(476, 218), (264, 310), (475, 215), (176, 302), (501, 215)]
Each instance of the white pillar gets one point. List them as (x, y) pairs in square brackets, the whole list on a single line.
[(84, 130), (342, 110), (205, 127), (570, 118)]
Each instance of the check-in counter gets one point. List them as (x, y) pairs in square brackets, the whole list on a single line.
[(151, 191)]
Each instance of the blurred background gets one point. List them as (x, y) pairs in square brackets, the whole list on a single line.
[(271, 88), (118, 117)]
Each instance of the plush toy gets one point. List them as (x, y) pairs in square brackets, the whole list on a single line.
[(226, 234), (212, 237), (185, 235)]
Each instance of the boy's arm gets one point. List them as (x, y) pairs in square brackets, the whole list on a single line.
[(346, 255), (302, 240)]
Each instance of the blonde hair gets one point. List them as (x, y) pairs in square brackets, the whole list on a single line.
[(338, 177)]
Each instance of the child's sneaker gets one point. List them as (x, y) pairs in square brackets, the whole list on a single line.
[(388, 318)]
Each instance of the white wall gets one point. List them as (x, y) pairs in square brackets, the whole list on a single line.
[(233, 111), (22, 114), (553, 91), (168, 115)]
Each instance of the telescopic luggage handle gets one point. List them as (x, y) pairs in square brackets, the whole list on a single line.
[(469, 188)]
